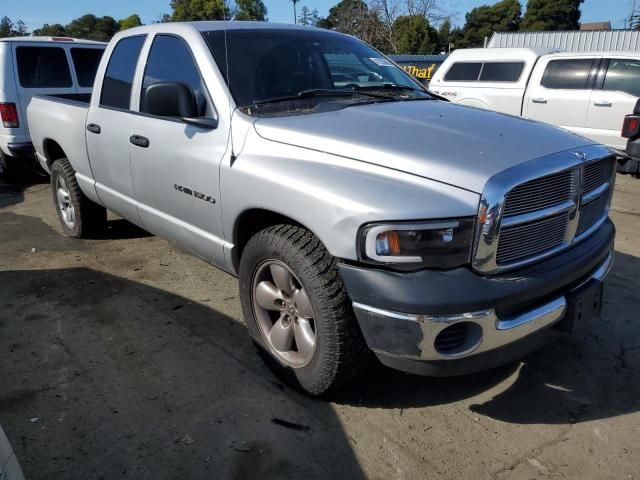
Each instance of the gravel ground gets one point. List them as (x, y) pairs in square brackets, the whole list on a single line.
[(126, 358)]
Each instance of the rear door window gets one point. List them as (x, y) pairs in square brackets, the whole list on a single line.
[(623, 75), (463, 71), (570, 74), (118, 80), (85, 63), (43, 67), (501, 72)]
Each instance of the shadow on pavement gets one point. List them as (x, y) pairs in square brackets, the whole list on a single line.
[(13, 184), (103, 377)]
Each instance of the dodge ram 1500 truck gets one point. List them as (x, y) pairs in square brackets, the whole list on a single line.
[(361, 216)]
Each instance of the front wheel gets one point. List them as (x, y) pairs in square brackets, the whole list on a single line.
[(297, 309)]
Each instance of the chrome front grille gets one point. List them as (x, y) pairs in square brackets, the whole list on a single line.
[(596, 174), (591, 213), (540, 193), (532, 238), (524, 221)]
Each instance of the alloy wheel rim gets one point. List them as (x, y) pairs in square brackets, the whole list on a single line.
[(67, 211), (284, 313)]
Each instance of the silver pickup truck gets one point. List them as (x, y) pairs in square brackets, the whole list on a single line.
[(361, 214)]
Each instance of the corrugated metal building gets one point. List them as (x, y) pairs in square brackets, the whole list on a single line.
[(576, 41)]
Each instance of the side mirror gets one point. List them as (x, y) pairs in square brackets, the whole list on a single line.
[(169, 99)]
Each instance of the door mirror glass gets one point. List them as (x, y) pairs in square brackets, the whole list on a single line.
[(169, 99)]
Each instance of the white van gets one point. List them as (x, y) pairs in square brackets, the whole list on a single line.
[(39, 65), (588, 93)]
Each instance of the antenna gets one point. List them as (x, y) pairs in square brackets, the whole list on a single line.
[(226, 57)]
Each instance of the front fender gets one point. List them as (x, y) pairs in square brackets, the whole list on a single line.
[(331, 196)]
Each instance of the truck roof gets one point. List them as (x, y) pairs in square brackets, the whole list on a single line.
[(52, 40), (207, 26), (501, 53)]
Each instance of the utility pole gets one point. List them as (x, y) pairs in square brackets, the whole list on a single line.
[(295, 15)]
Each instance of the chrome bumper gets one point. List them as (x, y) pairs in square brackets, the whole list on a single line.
[(492, 331)]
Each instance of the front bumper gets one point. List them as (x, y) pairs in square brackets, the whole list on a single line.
[(402, 314)]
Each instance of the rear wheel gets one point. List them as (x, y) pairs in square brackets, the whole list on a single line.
[(79, 216), (297, 309)]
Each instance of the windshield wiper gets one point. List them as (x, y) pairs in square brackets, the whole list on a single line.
[(320, 92)]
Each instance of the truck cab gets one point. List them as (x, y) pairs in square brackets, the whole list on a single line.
[(32, 66)]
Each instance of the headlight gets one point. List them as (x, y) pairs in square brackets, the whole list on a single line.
[(438, 244)]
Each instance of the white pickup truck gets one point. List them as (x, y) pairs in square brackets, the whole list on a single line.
[(35, 66), (360, 213), (588, 93)]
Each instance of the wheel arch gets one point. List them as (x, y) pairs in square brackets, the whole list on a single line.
[(52, 151), (253, 220)]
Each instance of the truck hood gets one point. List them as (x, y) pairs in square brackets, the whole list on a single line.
[(449, 143)]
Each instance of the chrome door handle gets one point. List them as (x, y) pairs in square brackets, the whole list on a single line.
[(539, 100), (602, 103)]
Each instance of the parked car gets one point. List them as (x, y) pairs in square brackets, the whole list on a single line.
[(39, 65), (9, 466), (588, 93), (421, 67), (370, 218), (631, 131)]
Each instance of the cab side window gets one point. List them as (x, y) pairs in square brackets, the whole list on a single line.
[(623, 75), (171, 60), (570, 74), (117, 83)]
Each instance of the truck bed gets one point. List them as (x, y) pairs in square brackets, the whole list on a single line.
[(61, 117)]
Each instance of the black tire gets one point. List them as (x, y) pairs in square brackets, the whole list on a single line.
[(90, 218), (341, 353)]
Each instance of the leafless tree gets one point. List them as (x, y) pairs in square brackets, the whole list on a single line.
[(388, 11)]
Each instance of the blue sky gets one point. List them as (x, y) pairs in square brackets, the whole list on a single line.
[(37, 12)]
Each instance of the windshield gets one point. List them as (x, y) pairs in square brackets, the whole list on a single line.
[(274, 65)]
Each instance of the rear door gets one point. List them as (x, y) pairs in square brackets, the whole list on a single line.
[(108, 129), (559, 92), (615, 96), (40, 69)]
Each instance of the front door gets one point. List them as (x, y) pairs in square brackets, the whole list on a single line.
[(176, 165)]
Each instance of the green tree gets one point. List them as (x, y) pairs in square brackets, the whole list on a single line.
[(308, 17), (191, 10), (354, 18), (251, 10), (90, 27), (413, 34), (544, 15), (55, 30), (481, 22), (10, 29), (129, 22)]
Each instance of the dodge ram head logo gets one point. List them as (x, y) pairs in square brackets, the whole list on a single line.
[(194, 193), (581, 155)]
